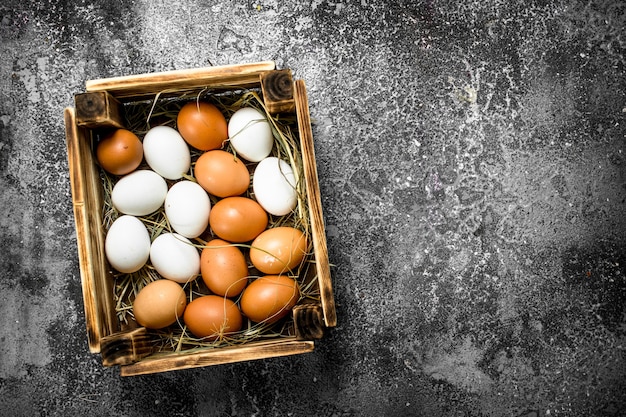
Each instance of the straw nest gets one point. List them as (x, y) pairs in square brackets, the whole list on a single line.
[(162, 110)]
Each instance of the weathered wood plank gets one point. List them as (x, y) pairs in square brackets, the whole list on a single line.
[(124, 348), (218, 356), (99, 317), (133, 87), (315, 204), (98, 321)]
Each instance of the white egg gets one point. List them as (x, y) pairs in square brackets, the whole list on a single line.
[(127, 244), (174, 257), (166, 152), (274, 186), (139, 193), (250, 134), (187, 208)]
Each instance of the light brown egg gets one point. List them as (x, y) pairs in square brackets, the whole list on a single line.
[(159, 304), (278, 250), (120, 152), (270, 298), (221, 173), (223, 268), (202, 125), (212, 317), (237, 219)]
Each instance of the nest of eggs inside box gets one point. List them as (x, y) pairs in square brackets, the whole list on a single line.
[(141, 117)]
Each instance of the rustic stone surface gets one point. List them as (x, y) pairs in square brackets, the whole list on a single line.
[(471, 160)]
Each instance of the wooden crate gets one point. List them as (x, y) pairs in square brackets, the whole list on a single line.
[(101, 106)]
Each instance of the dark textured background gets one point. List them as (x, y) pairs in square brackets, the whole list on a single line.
[(471, 161)]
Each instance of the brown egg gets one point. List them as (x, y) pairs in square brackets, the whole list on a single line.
[(237, 219), (221, 173), (159, 304), (202, 125), (269, 298), (120, 152), (212, 317), (278, 250), (223, 268)]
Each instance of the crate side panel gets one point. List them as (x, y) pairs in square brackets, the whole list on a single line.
[(139, 86), (103, 278), (315, 204), (219, 356), (74, 138)]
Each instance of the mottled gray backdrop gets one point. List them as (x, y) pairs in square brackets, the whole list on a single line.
[(472, 164)]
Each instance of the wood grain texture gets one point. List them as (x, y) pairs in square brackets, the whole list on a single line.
[(308, 321), (218, 356), (134, 87), (314, 201), (277, 88), (126, 347), (87, 206), (98, 110)]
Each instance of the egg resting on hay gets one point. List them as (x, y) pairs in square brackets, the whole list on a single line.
[(144, 116)]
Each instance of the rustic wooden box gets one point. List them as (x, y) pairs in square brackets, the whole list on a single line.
[(101, 105)]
